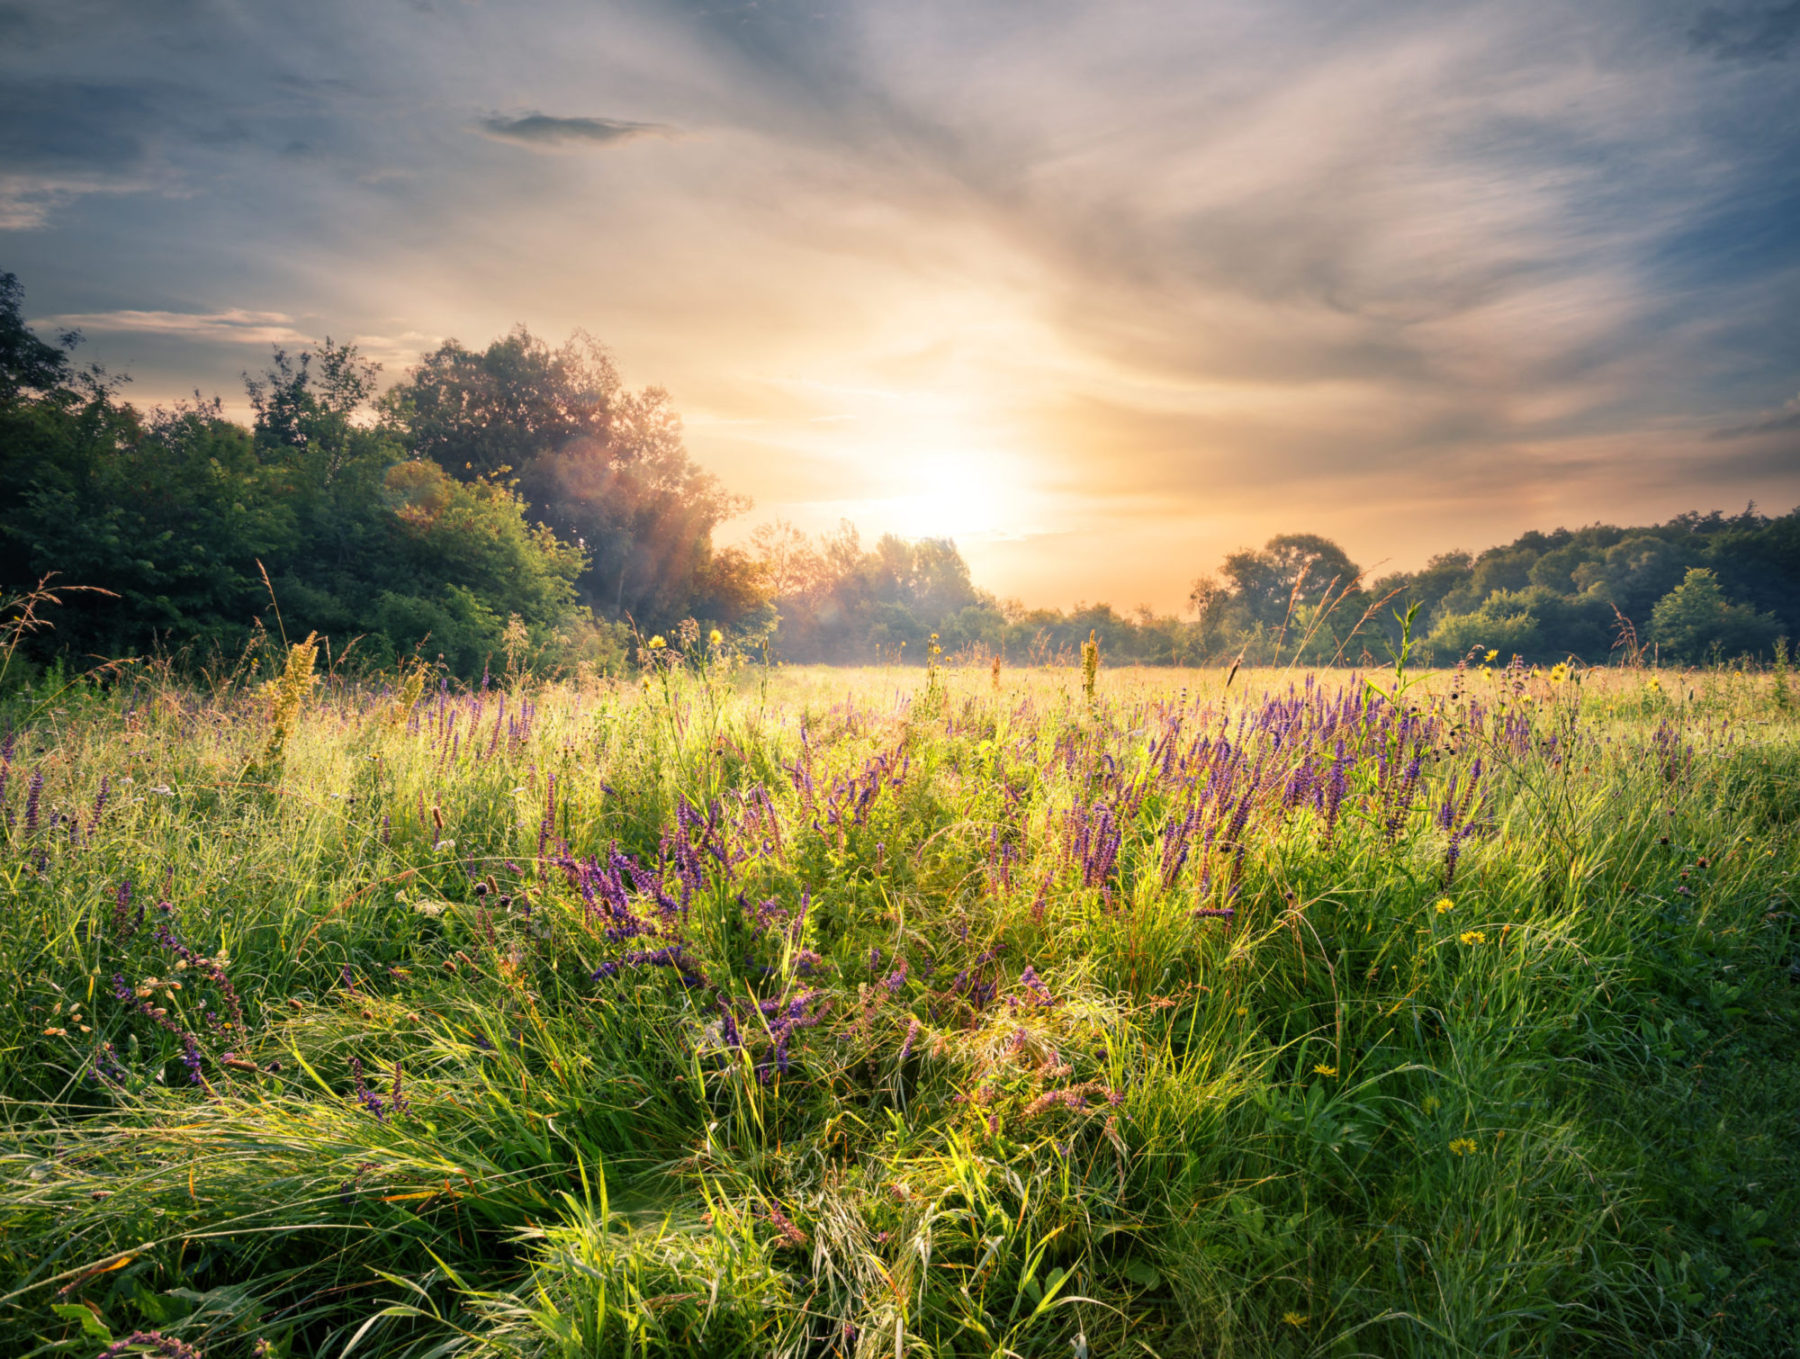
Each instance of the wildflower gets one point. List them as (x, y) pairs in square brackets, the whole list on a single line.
[(1559, 672), (1491, 657), (1473, 937), (1243, 1010), (1035, 984), (155, 1341), (790, 1234), (657, 643), (1445, 906), (1324, 1070), (1432, 1104), (365, 1096), (1294, 1319), (1463, 1146), (715, 637)]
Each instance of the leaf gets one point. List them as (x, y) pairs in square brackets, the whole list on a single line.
[(1143, 1273), (91, 1326)]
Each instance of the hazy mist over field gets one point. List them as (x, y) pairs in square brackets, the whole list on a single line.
[(1092, 289)]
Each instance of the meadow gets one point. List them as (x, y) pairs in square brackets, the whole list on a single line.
[(805, 1012)]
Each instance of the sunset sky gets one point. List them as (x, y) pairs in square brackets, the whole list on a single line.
[(1103, 291)]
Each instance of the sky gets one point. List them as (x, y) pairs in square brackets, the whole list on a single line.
[(1102, 291)]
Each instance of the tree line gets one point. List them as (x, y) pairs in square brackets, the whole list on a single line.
[(520, 501)]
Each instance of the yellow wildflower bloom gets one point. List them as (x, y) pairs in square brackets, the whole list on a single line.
[(1324, 1070), (1462, 1146), (657, 643), (1473, 937), (1294, 1319), (1444, 905)]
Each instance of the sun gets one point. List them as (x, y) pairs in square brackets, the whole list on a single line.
[(950, 494)]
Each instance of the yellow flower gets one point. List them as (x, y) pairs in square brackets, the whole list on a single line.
[(1324, 1070), (1294, 1319), (1558, 673), (1445, 905), (1492, 656), (1473, 937), (715, 637), (657, 643), (1243, 1010), (1463, 1146), (1432, 1104)]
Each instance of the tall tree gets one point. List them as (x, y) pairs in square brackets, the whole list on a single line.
[(605, 468)]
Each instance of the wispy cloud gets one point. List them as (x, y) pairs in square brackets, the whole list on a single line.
[(234, 326), (1788, 417), (29, 202), (542, 132)]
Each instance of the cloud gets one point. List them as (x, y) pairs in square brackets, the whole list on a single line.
[(1194, 273), (234, 326), (27, 201), (1748, 33), (541, 131), (1788, 417)]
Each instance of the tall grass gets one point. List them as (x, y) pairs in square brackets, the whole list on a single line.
[(794, 1013)]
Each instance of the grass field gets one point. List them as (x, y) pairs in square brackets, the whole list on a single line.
[(864, 1013)]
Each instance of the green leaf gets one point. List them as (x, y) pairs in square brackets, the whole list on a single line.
[(91, 1326), (1143, 1273)]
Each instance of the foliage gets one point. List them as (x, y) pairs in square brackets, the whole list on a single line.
[(206, 535), (1694, 621), (604, 467)]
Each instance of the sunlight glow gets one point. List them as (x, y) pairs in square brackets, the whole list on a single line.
[(950, 495)]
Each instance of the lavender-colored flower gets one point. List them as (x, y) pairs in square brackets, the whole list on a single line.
[(104, 1067), (671, 956), (122, 924), (191, 1056), (34, 791), (1335, 787), (365, 1096), (1035, 984)]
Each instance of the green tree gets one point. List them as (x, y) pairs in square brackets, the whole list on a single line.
[(1695, 620), (1291, 569), (605, 468)]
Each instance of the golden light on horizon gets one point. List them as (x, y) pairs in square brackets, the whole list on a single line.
[(951, 494)]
